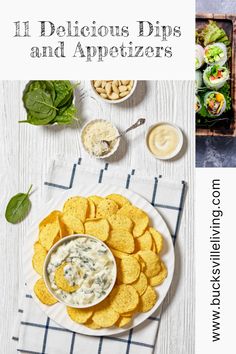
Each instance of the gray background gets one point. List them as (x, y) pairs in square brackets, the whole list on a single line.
[(216, 151)]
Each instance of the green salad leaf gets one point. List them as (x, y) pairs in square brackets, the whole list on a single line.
[(212, 33), (63, 91), (49, 102), (66, 116), (18, 207)]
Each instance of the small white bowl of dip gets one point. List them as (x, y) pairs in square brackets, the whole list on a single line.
[(94, 132), (164, 140), (88, 266)]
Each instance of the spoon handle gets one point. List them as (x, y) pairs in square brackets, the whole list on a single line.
[(139, 122)]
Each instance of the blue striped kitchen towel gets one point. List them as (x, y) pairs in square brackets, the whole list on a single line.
[(36, 333)]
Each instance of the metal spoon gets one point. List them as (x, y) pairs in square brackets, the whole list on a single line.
[(106, 143)]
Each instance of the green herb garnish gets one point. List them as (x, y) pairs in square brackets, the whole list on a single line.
[(18, 207), (49, 102)]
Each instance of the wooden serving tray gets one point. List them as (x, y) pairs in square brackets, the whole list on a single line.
[(224, 127)]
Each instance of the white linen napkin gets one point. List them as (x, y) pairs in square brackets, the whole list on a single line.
[(37, 334)]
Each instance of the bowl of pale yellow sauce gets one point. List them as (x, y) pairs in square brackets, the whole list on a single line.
[(164, 140)]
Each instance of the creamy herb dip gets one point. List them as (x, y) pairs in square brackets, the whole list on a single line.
[(88, 265)]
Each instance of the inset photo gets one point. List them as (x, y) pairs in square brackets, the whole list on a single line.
[(215, 90)]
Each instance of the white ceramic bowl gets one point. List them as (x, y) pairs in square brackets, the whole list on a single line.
[(178, 147), (111, 152), (54, 248), (114, 101)]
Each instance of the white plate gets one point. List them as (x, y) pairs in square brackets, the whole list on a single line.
[(58, 312)]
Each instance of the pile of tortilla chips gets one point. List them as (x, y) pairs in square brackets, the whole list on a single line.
[(135, 245)]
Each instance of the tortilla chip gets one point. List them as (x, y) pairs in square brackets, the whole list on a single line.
[(106, 208), (141, 284), (119, 199), (61, 281), (148, 299), (91, 209), (49, 235), (73, 223), (152, 261), (121, 240), (38, 246), (76, 206), (159, 278), (158, 239), (43, 294), (144, 242), (124, 298), (98, 228), (38, 260), (123, 321), (64, 229), (91, 324), (138, 216), (120, 222), (118, 254), (79, 315), (105, 315), (96, 199), (128, 270), (50, 218)]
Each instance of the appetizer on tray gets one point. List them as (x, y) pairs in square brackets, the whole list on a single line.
[(212, 79)]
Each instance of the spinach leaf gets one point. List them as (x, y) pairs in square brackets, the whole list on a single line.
[(31, 119), (63, 90), (39, 100), (18, 207), (49, 102), (66, 116)]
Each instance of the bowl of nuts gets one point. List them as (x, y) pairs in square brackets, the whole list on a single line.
[(113, 91)]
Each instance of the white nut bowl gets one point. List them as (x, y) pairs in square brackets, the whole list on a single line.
[(110, 153), (114, 101)]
